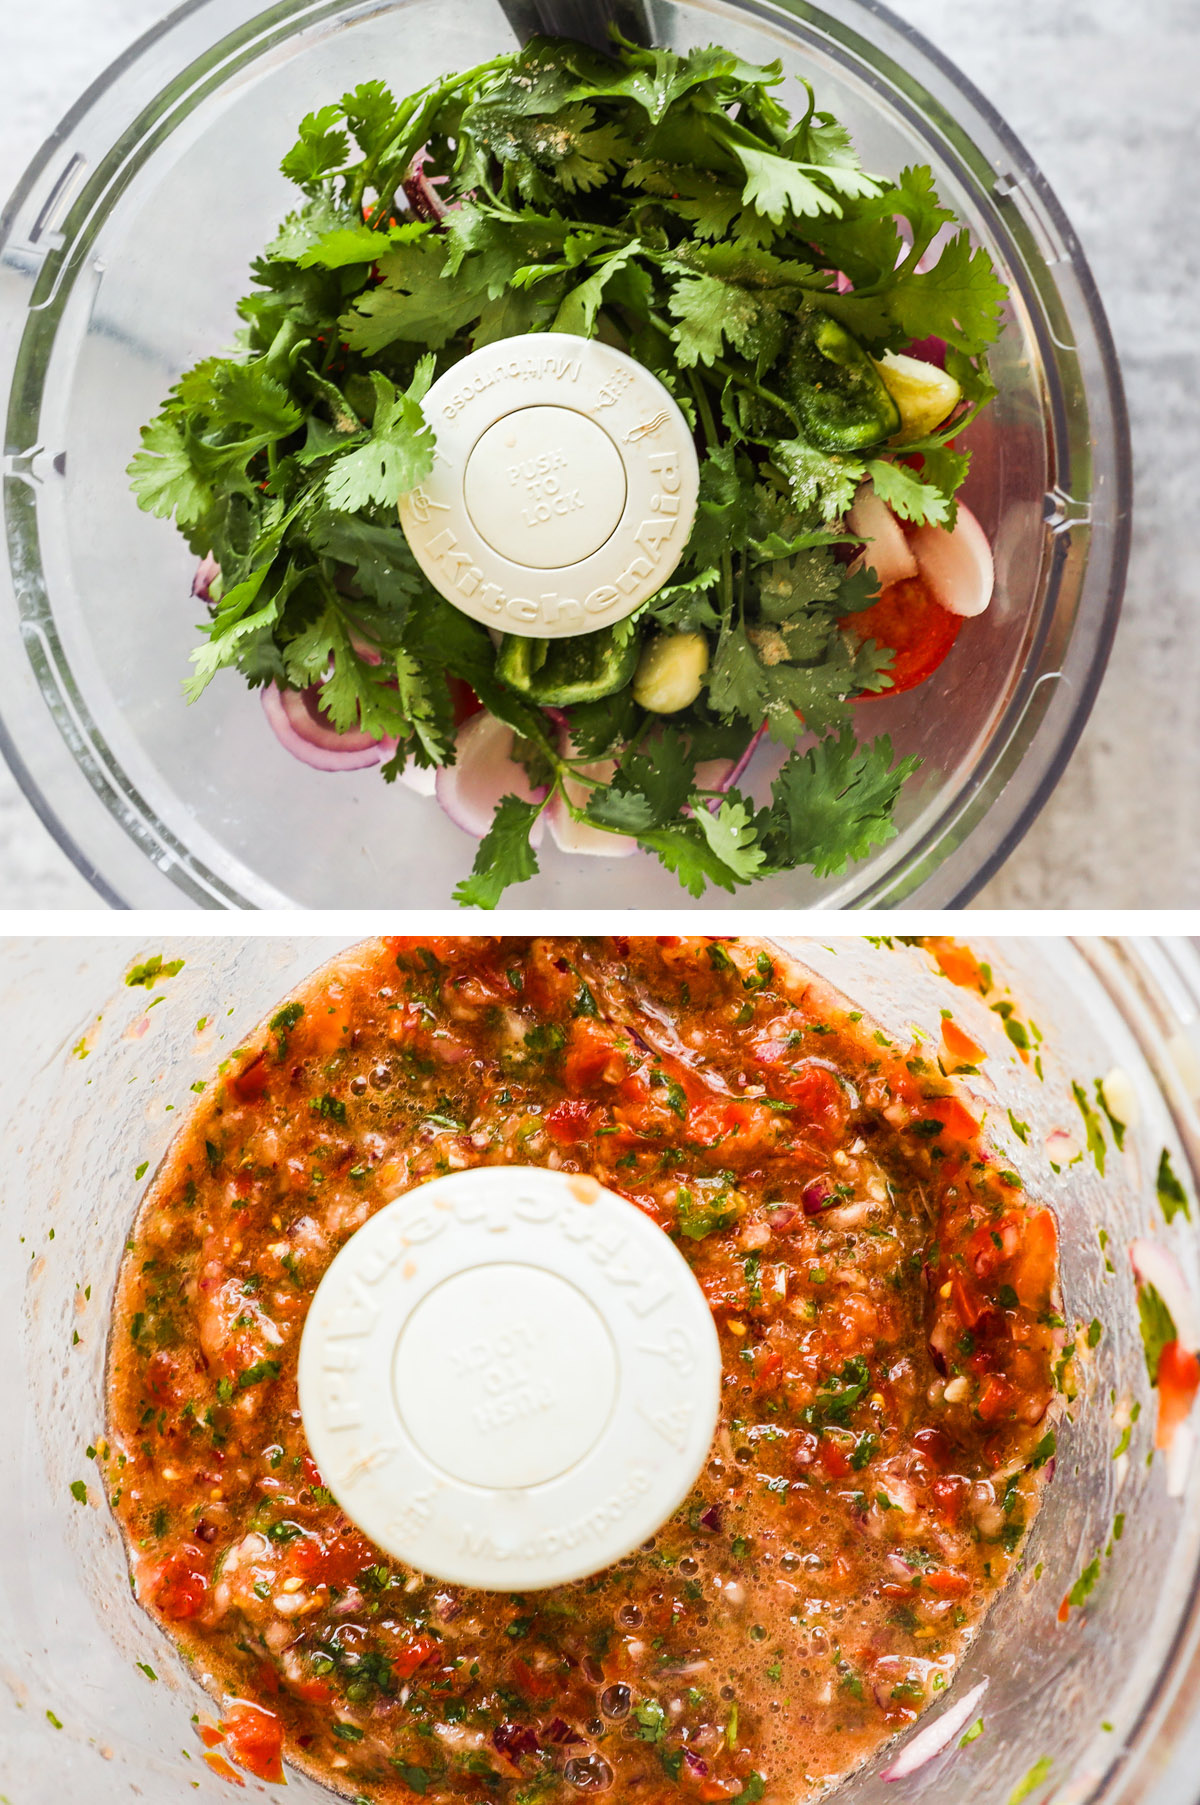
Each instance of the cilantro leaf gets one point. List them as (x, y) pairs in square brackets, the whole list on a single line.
[(345, 245), (163, 477), (685, 852), (398, 454), (834, 802), (905, 493), (732, 834), (505, 856), (319, 149), (1171, 1195), (414, 301), (1157, 1326), (647, 790)]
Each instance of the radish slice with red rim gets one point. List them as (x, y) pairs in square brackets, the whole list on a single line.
[(888, 552), (482, 773), (310, 736), (934, 1737), (420, 779), (956, 567), (570, 835)]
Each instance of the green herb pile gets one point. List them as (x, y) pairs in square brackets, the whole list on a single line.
[(673, 207)]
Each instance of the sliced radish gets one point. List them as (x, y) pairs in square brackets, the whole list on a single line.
[(310, 736), (956, 567), (888, 552), (1153, 1265), (570, 835), (934, 1737), (482, 773), (420, 779)]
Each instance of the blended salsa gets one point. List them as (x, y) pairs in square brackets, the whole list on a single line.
[(886, 1299)]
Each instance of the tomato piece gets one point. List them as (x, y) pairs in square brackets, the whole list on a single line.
[(946, 1584), (820, 1101), (251, 1082), (996, 1399), (958, 1044), (949, 1496), (254, 1738), (934, 1446), (590, 1051), (330, 1563), (222, 1769), (968, 1305), (958, 1123), (570, 1122), (835, 1457), (1178, 1382), (1037, 1261), (766, 1371), (415, 1654), (316, 1691), (533, 1682), (917, 630), (958, 963), (179, 1588)]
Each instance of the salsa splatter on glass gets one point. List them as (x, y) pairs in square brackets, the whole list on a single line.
[(886, 1298)]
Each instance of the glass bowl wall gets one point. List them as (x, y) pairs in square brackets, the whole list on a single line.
[(124, 252), (1112, 1696)]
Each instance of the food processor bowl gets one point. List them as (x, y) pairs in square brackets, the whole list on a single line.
[(123, 253), (96, 1080)]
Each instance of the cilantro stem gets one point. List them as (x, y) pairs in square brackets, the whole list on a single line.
[(756, 388), (708, 426)]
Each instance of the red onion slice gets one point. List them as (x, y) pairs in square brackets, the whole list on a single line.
[(482, 773), (933, 1738), (207, 572), (1153, 1265), (419, 190), (308, 735)]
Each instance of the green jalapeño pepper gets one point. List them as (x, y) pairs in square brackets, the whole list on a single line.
[(559, 672), (836, 389)]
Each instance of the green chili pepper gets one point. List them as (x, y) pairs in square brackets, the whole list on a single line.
[(559, 672), (837, 391)]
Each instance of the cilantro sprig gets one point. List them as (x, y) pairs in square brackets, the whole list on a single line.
[(673, 205)]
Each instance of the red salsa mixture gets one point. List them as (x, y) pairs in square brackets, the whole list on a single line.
[(886, 1298)]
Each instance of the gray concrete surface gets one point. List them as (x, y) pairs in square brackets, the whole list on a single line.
[(1104, 95)]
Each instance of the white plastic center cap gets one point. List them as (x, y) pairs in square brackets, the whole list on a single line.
[(509, 1378), (505, 1375), (545, 487), (563, 489)]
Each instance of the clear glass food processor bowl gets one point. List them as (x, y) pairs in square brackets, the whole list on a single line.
[(93, 1083), (123, 254)]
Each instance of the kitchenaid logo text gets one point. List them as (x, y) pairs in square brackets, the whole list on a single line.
[(654, 536), (513, 369)]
